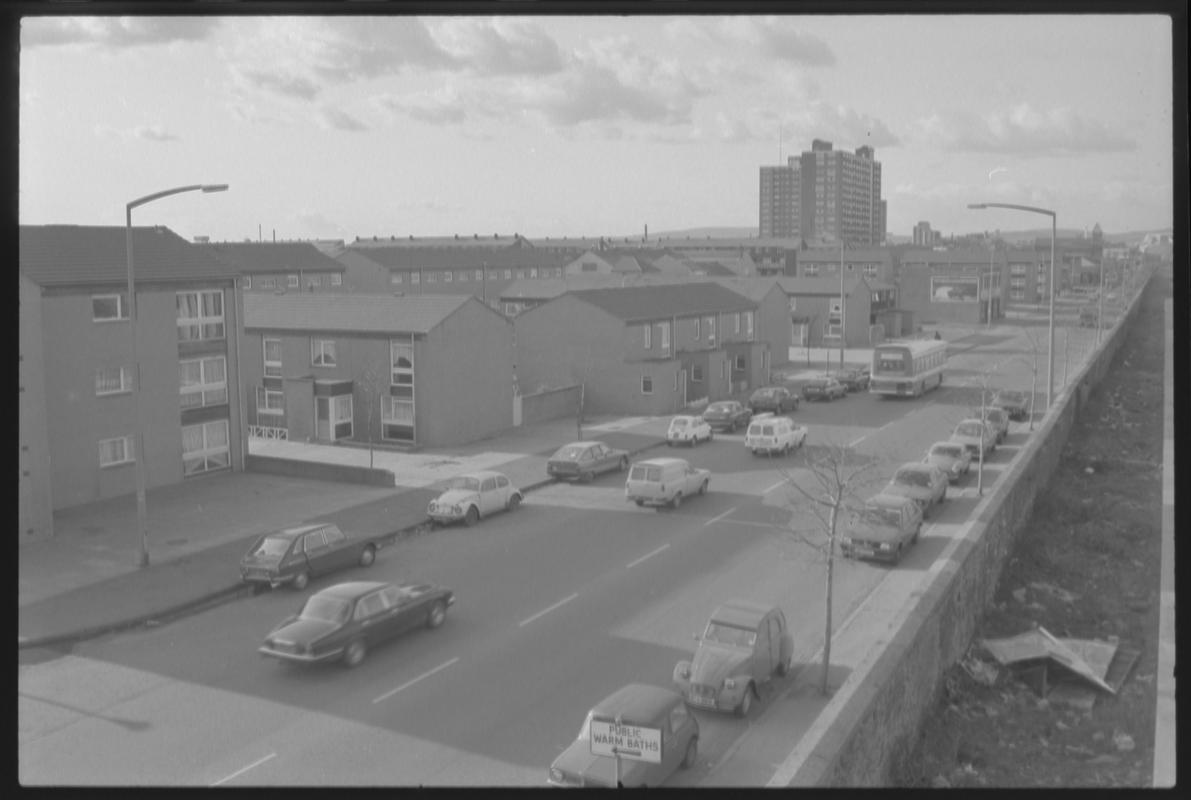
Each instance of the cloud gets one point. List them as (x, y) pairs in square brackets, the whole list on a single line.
[(340, 120), (115, 32), (501, 46), (842, 126), (357, 48), (1022, 130), (280, 82), (153, 133), (773, 36)]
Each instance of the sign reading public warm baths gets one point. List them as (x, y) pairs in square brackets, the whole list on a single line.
[(953, 289), (627, 741)]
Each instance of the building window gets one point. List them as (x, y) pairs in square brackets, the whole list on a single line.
[(711, 330), (108, 307), (415, 277), (510, 309), (203, 381), (748, 325), (665, 329), (870, 270), (698, 327), (291, 281), (741, 364), (432, 277), (397, 417), (341, 416), (113, 380), (646, 384), (736, 316), (200, 315), (697, 373), (205, 447), (558, 272), (246, 282), (479, 274), (508, 274), (396, 278), (811, 270), (833, 331), (270, 401), (336, 279), (401, 358), (268, 283), (322, 352), (648, 336), (272, 357), (533, 272), (114, 452), (448, 277), (463, 276), (313, 280)]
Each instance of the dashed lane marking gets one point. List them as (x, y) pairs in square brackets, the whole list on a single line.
[(241, 771), (410, 683), (650, 554), (546, 611)]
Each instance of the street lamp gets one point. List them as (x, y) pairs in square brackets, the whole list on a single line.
[(1050, 359), (139, 451)]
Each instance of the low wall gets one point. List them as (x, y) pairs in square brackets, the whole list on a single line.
[(872, 722), (339, 473), (549, 404)]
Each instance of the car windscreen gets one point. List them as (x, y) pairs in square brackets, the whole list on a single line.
[(969, 429), (879, 515), (568, 453), (760, 430), (326, 609), (679, 422), (645, 473), (912, 477), (271, 546), (947, 450), (765, 393), (466, 483), (722, 633), (720, 408)]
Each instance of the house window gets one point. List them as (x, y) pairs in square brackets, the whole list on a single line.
[(415, 277), (741, 364), (833, 330), (736, 316), (479, 274), (200, 315), (205, 447), (646, 384), (401, 361), (558, 272), (270, 401), (272, 357), (291, 281), (448, 277), (748, 325), (698, 321), (397, 417), (268, 283), (341, 416), (114, 452), (697, 373), (322, 352), (108, 307), (313, 280), (811, 270), (396, 278), (870, 270), (431, 277), (508, 274), (533, 272), (113, 380), (648, 336), (336, 279), (203, 381), (246, 282), (711, 330), (665, 329), (520, 274)]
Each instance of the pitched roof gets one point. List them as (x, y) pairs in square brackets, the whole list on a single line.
[(443, 258), (548, 288), (253, 257), (357, 313), (63, 255), (817, 286), (634, 303), (754, 289)]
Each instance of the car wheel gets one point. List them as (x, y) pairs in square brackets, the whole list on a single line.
[(368, 556), (746, 702), (703, 488), (692, 753), (438, 613), (300, 581), (786, 449), (514, 502), (355, 652), (472, 517), (624, 463), (676, 501), (943, 496)]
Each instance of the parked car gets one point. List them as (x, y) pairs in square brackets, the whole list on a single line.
[(688, 430), (977, 436), (998, 418), (660, 711), (854, 379), (775, 399), (1015, 403), (744, 645), (952, 458), (825, 388), (923, 483), (769, 434), (883, 529), (727, 415), (582, 461), (474, 495), (346, 620), (665, 482), (295, 555)]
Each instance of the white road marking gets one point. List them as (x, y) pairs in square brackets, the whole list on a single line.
[(775, 486), (632, 564), (545, 611), (855, 442), (717, 519), (408, 684), (239, 772)]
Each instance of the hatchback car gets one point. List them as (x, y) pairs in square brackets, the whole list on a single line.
[(854, 379), (776, 399), (650, 711), (976, 436), (922, 483), (827, 388), (295, 555), (472, 496), (1015, 403), (727, 415), (951, 457), (582, 461), (883, 529), (998, 418), (769, 434), (346, 620), (744, 645), (688, 430)]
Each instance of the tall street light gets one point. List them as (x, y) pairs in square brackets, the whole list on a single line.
[(139, 446), (1050, 358)]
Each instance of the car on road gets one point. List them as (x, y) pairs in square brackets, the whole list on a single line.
[(883, 529), (978, 437), (825, 388), (689, 430), (775, 399), (343, 622), (922, 483), (638, 708), (664, 482), (744, 645), (295, 555), (854, 379), (474, 495), (769, 434), (1015, 403), (951, 457), (727, 415), (998, 418), (582, 461)]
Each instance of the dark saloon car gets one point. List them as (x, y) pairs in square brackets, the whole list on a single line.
[(295, 555), (776, 399), (826, 388), (1015, 403), (582, 461), (854, 379), (343, 621), (727, 415)]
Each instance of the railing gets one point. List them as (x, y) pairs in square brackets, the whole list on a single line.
[(267, 432)]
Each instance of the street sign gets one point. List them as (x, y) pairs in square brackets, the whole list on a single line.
[(626, 741)]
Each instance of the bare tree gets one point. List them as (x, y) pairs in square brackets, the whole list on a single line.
[(834, 480)]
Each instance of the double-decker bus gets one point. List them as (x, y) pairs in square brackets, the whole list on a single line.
[(907, 368)]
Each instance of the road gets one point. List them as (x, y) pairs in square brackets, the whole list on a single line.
[(560, 603)]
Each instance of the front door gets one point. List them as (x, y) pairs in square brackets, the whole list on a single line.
[(322, 419)]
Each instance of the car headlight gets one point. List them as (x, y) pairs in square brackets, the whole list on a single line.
[(885, 545), (729, 683)]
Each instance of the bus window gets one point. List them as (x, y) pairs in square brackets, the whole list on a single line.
[(890, 362)]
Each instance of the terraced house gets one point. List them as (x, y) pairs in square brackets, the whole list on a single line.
[(280, 266), (78, 413)]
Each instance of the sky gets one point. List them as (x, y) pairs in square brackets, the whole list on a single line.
[(338, 127)]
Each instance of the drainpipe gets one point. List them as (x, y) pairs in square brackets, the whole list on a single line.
[(241, 401)]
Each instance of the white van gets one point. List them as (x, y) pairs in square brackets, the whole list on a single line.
[(770, 434), (664, 482)]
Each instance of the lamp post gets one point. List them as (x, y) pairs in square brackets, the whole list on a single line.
[(139, 434), (1050, 359), (841, 303)]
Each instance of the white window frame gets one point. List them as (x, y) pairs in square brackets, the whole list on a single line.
[(431, 277), (648, 336), (736, 316), (336, 279), (698, 327), (209, 457), (291, 282), (125, 381), (270, 401), (508, 274), (127, 454), (268, 283), (448, 277), (646, 379), (711, 329), (396, 371), (665, 336), (271, 369), (696, 373), (533, 272), (748, 325), (246, 282), (122, 310), (396, 278), (209, 327), (320, 354), (211, 392), (313, 280), (415, 278), (811, 270), (480, 274), (342, 410)]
